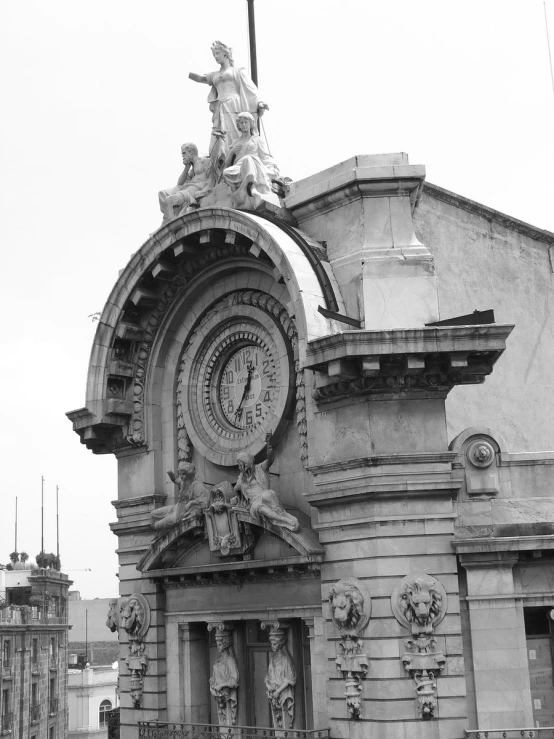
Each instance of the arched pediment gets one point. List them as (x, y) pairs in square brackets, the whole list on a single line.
[(173, 551), (186, 255)]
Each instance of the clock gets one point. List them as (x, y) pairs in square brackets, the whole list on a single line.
[(236, 382)]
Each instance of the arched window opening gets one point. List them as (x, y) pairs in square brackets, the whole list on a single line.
[(104, 709)]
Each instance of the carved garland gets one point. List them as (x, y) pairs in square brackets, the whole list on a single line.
[(270, 305)]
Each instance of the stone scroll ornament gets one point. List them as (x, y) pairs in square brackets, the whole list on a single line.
[(350, 612), (419, 603), (225, 678), (134, 618), (281, 676)]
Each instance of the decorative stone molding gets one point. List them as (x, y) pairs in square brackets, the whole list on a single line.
[(281, 675), (350, 612), (481, 453), (134, 618), (419, 603), (432, 359)]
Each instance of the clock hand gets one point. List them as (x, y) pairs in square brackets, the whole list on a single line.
[(238, 411)]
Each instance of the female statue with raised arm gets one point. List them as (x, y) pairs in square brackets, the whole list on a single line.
[(232, 92)]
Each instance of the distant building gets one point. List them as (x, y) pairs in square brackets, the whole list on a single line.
[(92, 694), (33, 636), (90, 639)]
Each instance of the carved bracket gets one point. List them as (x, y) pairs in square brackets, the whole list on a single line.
[(419, 603), (134, 618), (350, 612)]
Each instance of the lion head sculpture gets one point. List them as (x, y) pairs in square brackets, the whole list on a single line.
[(420, 601), (112, 622), (347, 601)]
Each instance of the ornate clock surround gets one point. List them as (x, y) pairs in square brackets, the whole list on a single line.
[(243, 320)]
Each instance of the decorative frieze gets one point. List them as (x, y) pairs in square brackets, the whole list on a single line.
[(350, 612), (419, 603)]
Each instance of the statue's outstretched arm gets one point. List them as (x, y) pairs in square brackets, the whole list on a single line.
[(198, 78)]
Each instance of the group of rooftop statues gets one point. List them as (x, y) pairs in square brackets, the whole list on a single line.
[(239, 165)]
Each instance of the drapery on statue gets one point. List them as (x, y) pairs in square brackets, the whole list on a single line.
[(225, 678), (249, 167), (232, 91), (195, 182), (280, 680), (253, 484), (192, 497)]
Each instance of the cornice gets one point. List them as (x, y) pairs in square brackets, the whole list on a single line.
[(155, 499), (513, 544), (380, 460), (459, 201)]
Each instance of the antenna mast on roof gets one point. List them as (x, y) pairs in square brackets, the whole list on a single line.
[(57, 528), (15, 547), (42, 516)]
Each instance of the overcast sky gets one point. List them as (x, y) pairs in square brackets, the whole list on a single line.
[(96, 102)]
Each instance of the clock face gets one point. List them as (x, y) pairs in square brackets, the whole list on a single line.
[(237, 381), (249, 387)]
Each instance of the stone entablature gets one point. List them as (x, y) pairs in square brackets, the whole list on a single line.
[(404, 360)]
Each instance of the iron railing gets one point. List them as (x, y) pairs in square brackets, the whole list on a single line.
[(157, 730), (536, 732), (7, 721)]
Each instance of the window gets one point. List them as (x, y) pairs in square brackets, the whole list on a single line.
[(7, 715), (105, 707), (53, 707), (53, 648), (7, 650), (34, 652), (51, 732)]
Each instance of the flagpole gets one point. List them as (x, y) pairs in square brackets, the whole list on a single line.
[(252, 40)]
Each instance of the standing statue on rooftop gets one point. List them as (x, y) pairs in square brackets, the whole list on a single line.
[(232, 91)]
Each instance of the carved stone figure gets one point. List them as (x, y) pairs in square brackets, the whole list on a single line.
[(249, 167), (232, 91), (225, 677), (134, 618), (350, 606), (419, 603), (192, 497), (281, 677), (226, 535), (195, 181), (253, 484), (112, 622)]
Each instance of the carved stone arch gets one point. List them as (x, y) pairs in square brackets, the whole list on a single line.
[(170, 546), (147, 287)]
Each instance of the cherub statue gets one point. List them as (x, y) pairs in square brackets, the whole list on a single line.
[(195, 182), (192, 497), (253, 484)]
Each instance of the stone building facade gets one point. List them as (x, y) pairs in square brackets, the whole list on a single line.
[(92, 695), (33, 670), (362, 546)]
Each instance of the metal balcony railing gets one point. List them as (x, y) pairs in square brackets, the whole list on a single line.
[(53, 706), (535, 732), (7, 722), (35, 714), (157, 730)]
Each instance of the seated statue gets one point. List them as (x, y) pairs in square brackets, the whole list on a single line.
[(249, 167), (253, 484), (192, 497), (195, 182)]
